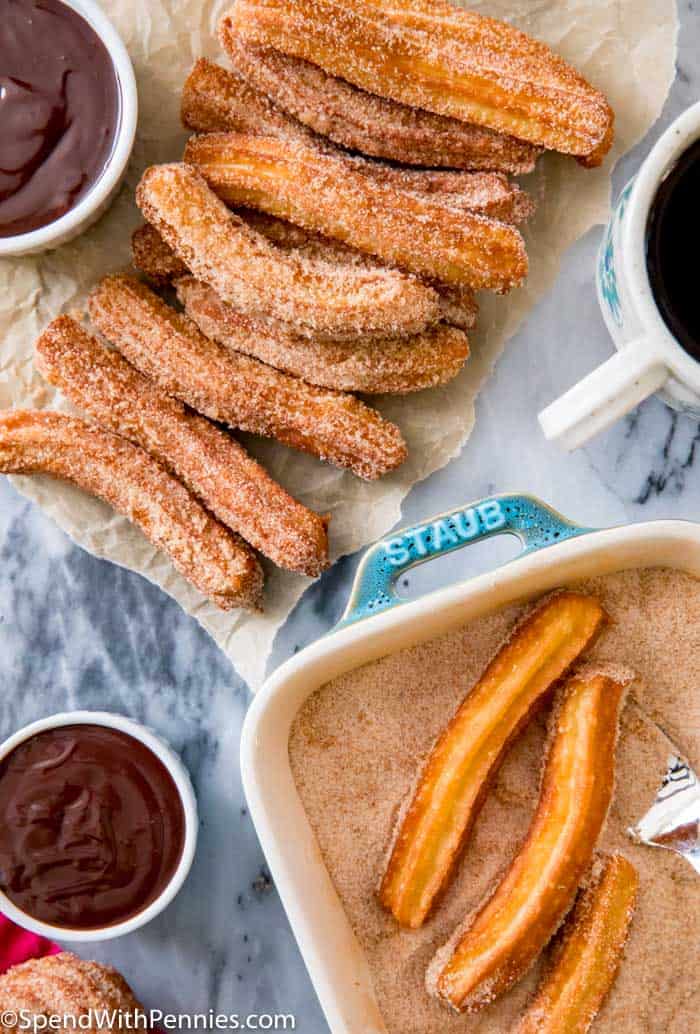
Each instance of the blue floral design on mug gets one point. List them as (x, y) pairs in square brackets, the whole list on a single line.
[(606, 265)]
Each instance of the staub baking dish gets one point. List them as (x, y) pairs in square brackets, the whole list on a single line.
[(376, 623)]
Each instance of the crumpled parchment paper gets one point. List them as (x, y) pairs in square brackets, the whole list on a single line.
[(625, 47)]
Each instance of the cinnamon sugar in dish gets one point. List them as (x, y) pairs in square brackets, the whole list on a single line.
[(356, 748)]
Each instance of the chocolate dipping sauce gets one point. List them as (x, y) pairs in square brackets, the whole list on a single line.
[(92, 826), (59, 112)]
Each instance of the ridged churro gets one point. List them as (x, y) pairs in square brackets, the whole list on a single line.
[(433, 55), (393, 366), (237, 390), (466, 757), (587, 959), (156, 260), (214, 466), (355, 119), (250, 273), (507, 933), (329, 194), (210, 556)]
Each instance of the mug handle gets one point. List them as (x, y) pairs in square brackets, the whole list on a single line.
[(604, 396), (528, 518)]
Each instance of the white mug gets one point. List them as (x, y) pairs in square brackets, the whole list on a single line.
[(648, 358)]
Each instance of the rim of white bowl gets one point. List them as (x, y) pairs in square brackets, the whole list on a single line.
[(43, 237), (183, 784)]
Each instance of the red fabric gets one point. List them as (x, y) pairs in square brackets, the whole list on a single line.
[(17, 945)]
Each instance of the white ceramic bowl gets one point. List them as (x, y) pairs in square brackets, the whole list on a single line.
[(100, 195), (333, 956), (183, 784)]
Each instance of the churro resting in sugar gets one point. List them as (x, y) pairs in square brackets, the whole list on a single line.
[(588, 956), (332, 195), (466, 758), (214, 466), (433, 55), (353, 118), (250, 273), (156, 260), (506, 934), (210, 556), (391, 366), (237, 390)]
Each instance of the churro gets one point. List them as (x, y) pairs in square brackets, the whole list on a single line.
[(356, 119), (507, 933), (260, 280), (329, 194), (215, 467), (210, 556), (465, 759), (393, 366), (152, 256), (587, 959), (238, 390), (433, 55)]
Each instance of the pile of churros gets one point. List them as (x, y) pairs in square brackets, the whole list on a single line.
[(346, 193), (556, 866)]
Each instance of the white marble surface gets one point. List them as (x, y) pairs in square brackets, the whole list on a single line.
[(76, 632)]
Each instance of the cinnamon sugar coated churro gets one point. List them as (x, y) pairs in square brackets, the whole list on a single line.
[(391, 366), (329, 194), (237, 390), (466, 758), (507, 933), (247, 271), (156, 260), (151, 255), (358, 120), (208, 461), (433, 55), (64, 988), (208, 555), (586, 961)]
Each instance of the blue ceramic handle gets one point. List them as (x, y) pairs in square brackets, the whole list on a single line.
[(529, 519)]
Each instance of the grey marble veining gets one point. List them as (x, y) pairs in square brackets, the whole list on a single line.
[(77, 632)]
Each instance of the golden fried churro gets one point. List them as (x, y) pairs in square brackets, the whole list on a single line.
[(439, 57), (153, 257), (466, 757), (393, 366), (157, 261), (361, 121), (250, 273), (208, 461), (587, 959), (507, 933), (331, 195), (237, 390), (206, 553), (215, 100), (62, 991)]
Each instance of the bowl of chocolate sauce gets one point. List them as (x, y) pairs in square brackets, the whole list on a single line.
[(98, 826), (68, 112)]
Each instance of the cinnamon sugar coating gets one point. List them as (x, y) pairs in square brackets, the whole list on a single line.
[(363, 121), (332, 195), (247, 271), (64, 985), (237, 390), (206, 553), (391, 366), (212, 464), (433, 55)]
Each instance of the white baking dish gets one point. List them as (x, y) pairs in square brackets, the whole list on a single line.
[(377, 623)]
